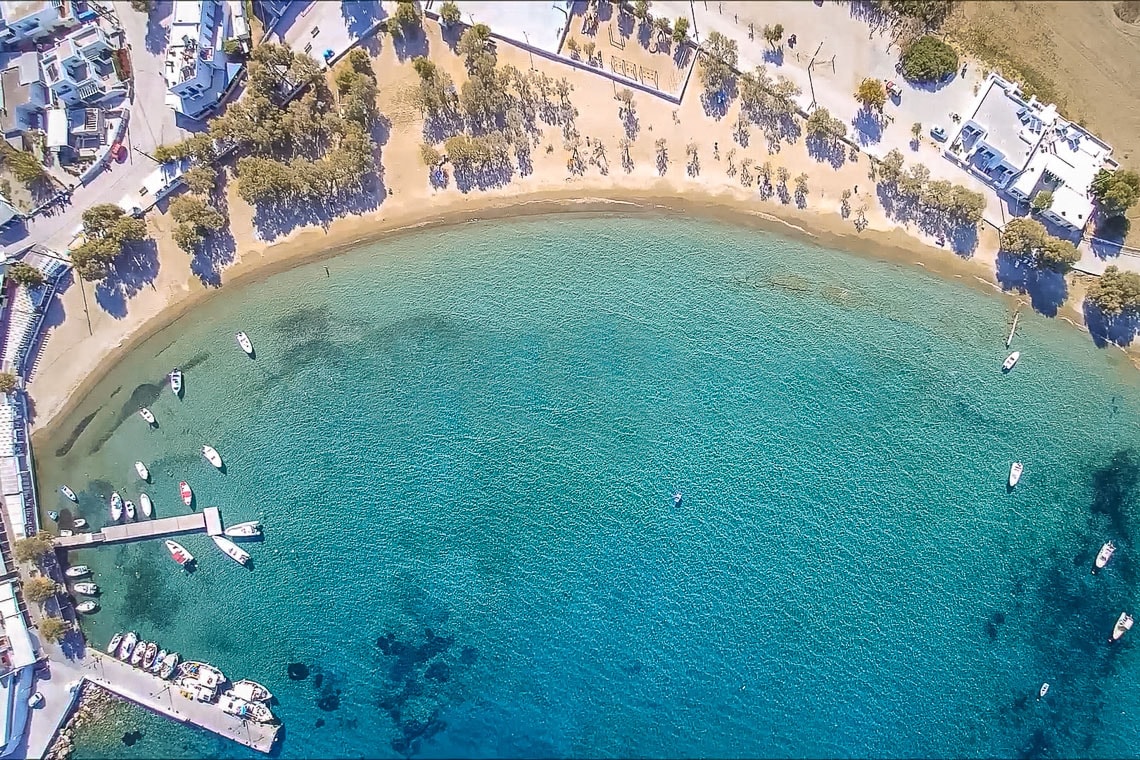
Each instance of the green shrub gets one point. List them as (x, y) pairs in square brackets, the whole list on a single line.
[(929, 59)]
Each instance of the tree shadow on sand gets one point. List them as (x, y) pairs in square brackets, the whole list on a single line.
[(1047, 289), (136, 267), (275, 220), (360, 16), (1118, 329), (826, 149)]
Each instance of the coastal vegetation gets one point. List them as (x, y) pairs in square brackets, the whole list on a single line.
[(52, 629), (195, 218), (449, 13), (8, 382), (106, 229), (717, 64), (1116, 192), (39, 589), (25, 274), (928, 59), (938, 206), (1030, 242), (772, 34), (930, 13), (32, 548), (1115, 292)]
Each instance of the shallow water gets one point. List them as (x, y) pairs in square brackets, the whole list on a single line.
[(464, 446)]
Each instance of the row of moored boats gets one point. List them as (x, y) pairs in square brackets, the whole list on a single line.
[(199, 681)]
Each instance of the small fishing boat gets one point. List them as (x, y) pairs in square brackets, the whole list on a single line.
[(178, 552), (1104, 555), (86, 587), (129, 506), (115, 641), (244, 530), (250, 691), (65, 533), (176, 381), (212, 456), (53, 515), (141, 469), (1123, 624), (243, 341), (69, 493), (139, 653), (1043, 690), (147, 415), (169, 665), (677, 499), (244, 709), (127, 647), (185, 492), (79, 523), (146, 504), (156, 666), (77, 571), (116, 506), (150, 655), (86, 607), (231, 550), (1015, 473), (1010, 360), (202, 673)]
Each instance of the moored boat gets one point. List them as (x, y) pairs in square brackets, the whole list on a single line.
[(1010, 360), (176, 381), (77, 571), (156, 666), (1043, 690), (1015, 470), (86, 607), (203, 673), (169, 665), (147, 415), (1123, 624), (1104, 555), (146, 504), (185, 492), (53, 515), (212, 456), (243, 341), (250, 691), (150, 655), (141, 469), (231, 550), (127, 647), (86, 587), (245, 709), (79, 523), (113, 646), (139, 653), (116, 506), (244, 530), (129, 506), (677, 499), (178, 553), (69, 493)]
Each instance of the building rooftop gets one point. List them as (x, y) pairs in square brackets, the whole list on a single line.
[(13, 94), (14, 10), (1002, 118)]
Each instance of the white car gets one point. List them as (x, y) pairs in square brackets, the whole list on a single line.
[(35, 700), (938, 133)]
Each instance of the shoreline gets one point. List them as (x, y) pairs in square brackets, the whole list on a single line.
[(304, 247)]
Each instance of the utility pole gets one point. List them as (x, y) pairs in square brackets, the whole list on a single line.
[(811, 84)]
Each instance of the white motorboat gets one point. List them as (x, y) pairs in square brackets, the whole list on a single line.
[(146, 504), (1015, 473), (176, 381), (159, 658), (86, 587), (244, 530), (69, 493), (1010, 360), (141, 469), (86, 607), (116, 506), (169, 665), (147, 415), (677, 499), (1123, 624), (139, 653), (1043, 690), (79, 523), (66, 533), (231, 550), (250, 691), (212, 456), (114, 645), (185, 492), (1104, 555), (243, 341), (202, 673), (245, 709), (77, 571), (150, 655), (127, 647), (129, 506), (178, 553)]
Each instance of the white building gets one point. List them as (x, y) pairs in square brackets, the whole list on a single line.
[(197, 70), (1024, 147), (26, 20), (78, 68), (23, 96)]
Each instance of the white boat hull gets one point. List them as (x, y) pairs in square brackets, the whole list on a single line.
[(231, 550), (68, 493), (212, 456), (146, 505), (244, 342), (1015, 471), (141, 469), (249, 529)]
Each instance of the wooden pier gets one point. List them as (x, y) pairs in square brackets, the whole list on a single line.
[(209, 520)]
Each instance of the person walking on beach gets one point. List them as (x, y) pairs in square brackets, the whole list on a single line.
[(327, 272)]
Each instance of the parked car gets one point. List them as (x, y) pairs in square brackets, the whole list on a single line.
[(35, 700), (938, 133)]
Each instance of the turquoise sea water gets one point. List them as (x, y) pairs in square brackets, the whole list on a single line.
[(464, 444)]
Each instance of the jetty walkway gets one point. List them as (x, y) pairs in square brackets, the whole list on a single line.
[(155, 694), (209, 520)]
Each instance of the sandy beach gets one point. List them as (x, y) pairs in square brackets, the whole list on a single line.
[(85, 339)]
